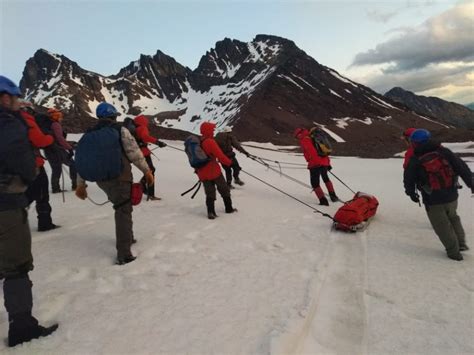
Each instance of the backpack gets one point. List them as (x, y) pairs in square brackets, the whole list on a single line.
[(129, 124), (321, 141), (99, 154), (196, 155), (44, 123), (440, 173)]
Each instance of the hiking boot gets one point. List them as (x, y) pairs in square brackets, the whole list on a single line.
[(333, 197), (239, 182), (323, 201), (48, 228), (231, 187), (457, 257), (154, 198), (228, 205), (57, 191), (463, 248), (125, 260), (26, 335), (211, 210)]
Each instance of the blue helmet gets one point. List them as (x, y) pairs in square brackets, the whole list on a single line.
[(106, 110), (9, 87), (420, 136)]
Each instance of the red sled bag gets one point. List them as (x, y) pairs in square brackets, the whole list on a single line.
[(137, 193), (355, 214)]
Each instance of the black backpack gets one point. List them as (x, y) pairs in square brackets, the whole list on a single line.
[(44, 123), (321, 141)]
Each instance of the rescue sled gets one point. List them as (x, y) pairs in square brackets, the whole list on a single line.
[(356, 214)]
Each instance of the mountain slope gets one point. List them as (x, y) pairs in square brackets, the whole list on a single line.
[(450, 113), (264, 89)]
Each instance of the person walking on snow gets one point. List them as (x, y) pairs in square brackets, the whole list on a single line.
[(227, 141), (143, 136), (17, 170), (211, 174), (38, 190), (434, 170), (118, 189), (59, 153), (318, 167)]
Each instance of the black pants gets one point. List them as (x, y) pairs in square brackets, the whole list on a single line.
[(150, 189), (210, 188), (56, 158), (315, 173), (38, 192), (232, 170)]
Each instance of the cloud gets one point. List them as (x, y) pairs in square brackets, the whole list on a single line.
[(443, 38), (381, 16), (452, 82)]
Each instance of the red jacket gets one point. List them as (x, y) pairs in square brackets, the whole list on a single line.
[(409, 153), (143, 133), (309, 151), (37, 138), (211, 170)]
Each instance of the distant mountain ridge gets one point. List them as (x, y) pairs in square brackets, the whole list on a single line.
[(263, 89), (450, 113)]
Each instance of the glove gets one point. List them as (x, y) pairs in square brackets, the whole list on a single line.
[(415, 198), (149, 178), (161, 144), (81, 192), (329, 168)]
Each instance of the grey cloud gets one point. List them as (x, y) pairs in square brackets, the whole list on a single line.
[(422, 80), (444, 38)]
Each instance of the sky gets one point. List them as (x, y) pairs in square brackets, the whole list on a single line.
[(425, 46)]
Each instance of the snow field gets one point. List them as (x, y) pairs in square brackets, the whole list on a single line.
[(271, 278)]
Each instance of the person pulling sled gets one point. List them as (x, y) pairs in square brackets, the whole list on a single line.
[(316, 154)]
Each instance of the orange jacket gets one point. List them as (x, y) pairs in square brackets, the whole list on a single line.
[(211, 170), (143, 133), (37, 138)]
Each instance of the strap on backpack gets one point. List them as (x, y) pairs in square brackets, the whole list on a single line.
[(198, 185)]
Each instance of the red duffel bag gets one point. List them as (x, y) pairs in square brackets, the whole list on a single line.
[(355, 214)]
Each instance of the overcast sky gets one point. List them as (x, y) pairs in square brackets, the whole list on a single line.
[(425, 46)]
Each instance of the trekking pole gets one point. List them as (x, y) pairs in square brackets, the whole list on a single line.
[(287, 194), (342, 182), (97, 203)]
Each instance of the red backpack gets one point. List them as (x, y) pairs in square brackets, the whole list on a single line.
[(440, 173)]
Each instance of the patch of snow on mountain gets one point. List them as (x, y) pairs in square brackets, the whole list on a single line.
[(335, 93), (342, 122), (342, 78), (304, 81), (290, 80)]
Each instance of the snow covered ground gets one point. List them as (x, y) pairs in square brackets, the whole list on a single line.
[(270, 279)]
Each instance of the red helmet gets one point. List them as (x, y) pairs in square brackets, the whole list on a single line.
[(407, 133)]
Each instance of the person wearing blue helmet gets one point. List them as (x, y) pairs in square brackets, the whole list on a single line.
[(434, 170), (123, 149), (17, 171)]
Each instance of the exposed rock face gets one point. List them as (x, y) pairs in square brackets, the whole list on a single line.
[(447, 112), (264, 89)]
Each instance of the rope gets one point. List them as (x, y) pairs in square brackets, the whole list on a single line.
[(260, 161), (342, 182), (287, 194), (97, 203)]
